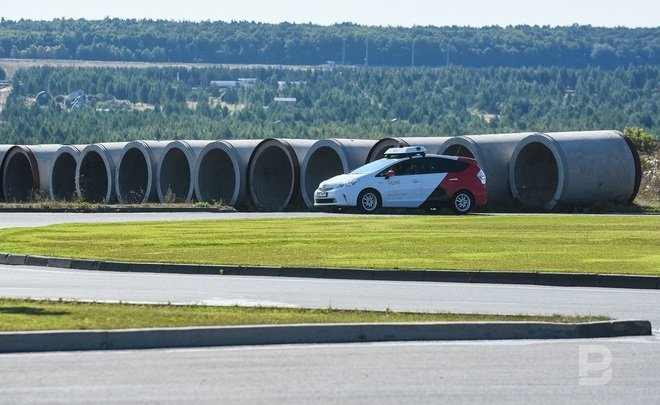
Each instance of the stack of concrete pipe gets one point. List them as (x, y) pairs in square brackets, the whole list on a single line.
[(533, 171)]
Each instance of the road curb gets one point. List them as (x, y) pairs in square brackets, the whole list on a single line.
[(119, 210), (446, 276), (133, 339)]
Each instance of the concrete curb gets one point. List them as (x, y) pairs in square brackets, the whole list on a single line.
[(132, 339), (121, 209), (447, 276)]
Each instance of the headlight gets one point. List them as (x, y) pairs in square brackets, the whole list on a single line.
[(330, 187)]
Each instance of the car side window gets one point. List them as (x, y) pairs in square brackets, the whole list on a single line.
[(403, 168), (441, 165)]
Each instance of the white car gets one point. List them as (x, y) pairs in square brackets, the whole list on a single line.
[(407, 177)]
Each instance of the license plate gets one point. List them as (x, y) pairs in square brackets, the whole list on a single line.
[(321, 194)]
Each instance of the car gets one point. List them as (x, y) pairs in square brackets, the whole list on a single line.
[(407, 177)]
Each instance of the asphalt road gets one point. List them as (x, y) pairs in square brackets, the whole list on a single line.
[(52, 283), (623, 370)]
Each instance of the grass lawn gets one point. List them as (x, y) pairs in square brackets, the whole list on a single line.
[(27, 315), (624, 244)]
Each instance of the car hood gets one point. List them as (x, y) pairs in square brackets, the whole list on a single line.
[(341, 179)]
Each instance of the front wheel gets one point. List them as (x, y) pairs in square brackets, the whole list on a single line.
[(462, 202), (368, 201)]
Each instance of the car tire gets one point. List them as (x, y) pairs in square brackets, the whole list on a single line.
[(462, 202), (368, 201)]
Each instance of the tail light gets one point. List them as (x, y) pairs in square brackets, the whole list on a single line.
[(482, 177)]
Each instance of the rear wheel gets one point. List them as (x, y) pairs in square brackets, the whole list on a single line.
[(462, 203), (368, 201)]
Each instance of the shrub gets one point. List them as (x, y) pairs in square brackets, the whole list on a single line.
[(642, 140)]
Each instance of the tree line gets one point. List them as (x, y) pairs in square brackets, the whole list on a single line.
[(179, 103), (245, 42)]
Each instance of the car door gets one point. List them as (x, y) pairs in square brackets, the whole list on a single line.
[(401, 184), (433, 170)]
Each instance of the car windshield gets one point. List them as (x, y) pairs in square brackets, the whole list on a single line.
[(374, 166)]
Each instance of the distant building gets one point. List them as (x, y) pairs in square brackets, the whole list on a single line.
[(281, 85), (247, 82), (227, 84), (224, 84), (43, 98), (79, 102), (71, 98), (285, 100)]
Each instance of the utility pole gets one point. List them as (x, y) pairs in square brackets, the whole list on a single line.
[(413, 52), (366, 54), (343, 52)]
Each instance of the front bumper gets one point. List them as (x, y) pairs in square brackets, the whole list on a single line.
[(338, 197)]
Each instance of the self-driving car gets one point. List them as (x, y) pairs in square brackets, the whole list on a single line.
[(407, 177)]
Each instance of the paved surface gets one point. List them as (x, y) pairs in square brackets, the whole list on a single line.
[(52, 283), (431, 372), (507, 372), (19, 219)]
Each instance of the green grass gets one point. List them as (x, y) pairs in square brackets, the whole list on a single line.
[(626, 244), (27, 315)]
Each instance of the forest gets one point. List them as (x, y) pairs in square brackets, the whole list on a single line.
[(242, 42), (353, 102)]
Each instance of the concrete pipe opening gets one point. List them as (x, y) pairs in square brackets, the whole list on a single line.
[(458, 150), (322, 164), (433, 144), (174, 177), (273, 175), (217, 177), (63, 176), (378, 150), (536, 174), (134, 177), (3, 152), (93, 178), (20, 175), (95, 174)]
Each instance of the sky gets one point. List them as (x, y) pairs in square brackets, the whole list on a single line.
[(407, 13)]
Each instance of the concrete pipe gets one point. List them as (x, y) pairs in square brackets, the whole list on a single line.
[(221, 172), (95, 174), (432, 144), (328, 158), (176, 171), (3, 152), (62, 174), (581, 168), (135, 178), (274, 173), (25, 173), (493, 154)]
